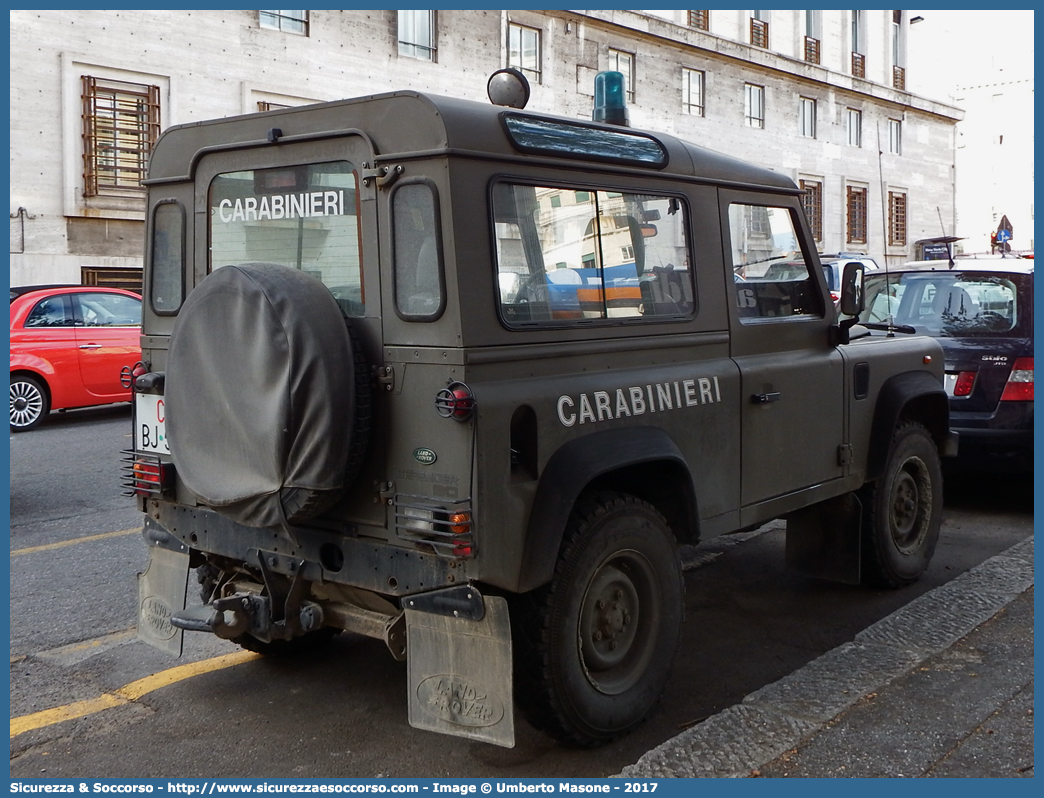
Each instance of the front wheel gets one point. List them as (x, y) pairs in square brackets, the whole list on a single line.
[(903, 510), (29, 403), (596, 644)]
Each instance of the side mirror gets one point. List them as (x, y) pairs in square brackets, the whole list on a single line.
[(852, 289)]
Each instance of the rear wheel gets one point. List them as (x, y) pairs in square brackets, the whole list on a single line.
[(30, 403), (903, 510), (595, 645)]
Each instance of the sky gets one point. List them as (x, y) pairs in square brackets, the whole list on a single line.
[(958, 48)]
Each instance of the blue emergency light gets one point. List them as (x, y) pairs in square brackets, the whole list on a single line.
[(610, 103)]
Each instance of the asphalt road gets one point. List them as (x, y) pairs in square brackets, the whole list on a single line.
[(342, 712)]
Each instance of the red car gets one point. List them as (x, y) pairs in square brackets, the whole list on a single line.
[(68, 346)]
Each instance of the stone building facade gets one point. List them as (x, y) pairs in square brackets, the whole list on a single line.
[(90, 89)]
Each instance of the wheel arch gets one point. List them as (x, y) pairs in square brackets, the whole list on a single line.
[(910, 396), (642, 461)]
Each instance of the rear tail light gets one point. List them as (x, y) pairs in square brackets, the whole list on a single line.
[(145, 475), (965, 383), (1020, 382), (456, 402), (460, 524)]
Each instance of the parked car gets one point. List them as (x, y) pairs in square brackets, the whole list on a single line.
[(834, 267), (981, 311), (68, 346)]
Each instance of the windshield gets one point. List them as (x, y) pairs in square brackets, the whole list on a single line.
[(953, 304)]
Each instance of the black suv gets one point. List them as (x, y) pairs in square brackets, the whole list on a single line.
[(981, 311)]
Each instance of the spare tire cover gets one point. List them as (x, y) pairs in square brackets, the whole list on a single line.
[(259, 393)]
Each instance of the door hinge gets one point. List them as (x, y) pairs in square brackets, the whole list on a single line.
[(386, 377), (386, 492), (844, 454), (381, 176)]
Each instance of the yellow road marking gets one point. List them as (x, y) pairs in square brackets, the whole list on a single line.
[(127, 693), (74, 541)]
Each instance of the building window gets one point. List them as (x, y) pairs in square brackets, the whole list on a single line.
[(524, 51), (286, 21), (895, 136), (121, 122), (620, 61), (759, 29), (807, 117), (856, 215), (754, 105), (896, 219), (812, 200), (692, 91), (417, 34), (858, 60), (699, 20), (265, 105), (812, 36), (855, 128)]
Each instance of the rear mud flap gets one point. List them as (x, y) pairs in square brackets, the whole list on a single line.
[(460, 674), (161, 593), (823, 541)]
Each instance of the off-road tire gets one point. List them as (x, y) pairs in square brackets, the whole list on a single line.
[(593, 648), (903, 510)]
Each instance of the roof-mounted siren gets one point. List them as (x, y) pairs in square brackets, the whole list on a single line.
[(610, 99), (508, 87)]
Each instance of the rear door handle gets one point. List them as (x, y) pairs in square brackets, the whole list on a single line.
[(90, 346), (764, 398)]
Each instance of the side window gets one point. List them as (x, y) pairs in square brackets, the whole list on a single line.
[(770, 276), (51, 312), (107, 310), (168, 257), (419, 284), (569, 256)]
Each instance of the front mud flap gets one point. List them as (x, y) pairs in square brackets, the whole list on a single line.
[(161, 593), (460, 673)]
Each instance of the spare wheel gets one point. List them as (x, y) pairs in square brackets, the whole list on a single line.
[(261, 395)]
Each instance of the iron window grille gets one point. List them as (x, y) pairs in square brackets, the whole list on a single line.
[(286, 21), (856, 215), (121, 122), (896, 218), (417, 34), (812, 201), (858, 65), (899, 78), (524, 51), (692, 89), (811, 50), (699, 20), (759, 33)]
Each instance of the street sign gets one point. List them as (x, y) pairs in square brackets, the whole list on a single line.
[(1003, 235)]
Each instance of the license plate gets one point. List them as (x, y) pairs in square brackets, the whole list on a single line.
[(150, 429), (949, 382)]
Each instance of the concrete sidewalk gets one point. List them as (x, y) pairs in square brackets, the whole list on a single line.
[(942, 687)]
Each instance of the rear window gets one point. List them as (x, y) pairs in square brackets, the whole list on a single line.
[(304, 217), (575, 256), (953, 304)]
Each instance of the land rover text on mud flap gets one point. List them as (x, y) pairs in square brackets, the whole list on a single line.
[(461, 377)]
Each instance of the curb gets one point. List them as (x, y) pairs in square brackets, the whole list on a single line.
[(776, 718)]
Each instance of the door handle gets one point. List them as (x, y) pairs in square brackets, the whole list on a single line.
[(90, 346), (764, 398)]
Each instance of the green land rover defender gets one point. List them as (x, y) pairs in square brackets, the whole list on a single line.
[(462, 377)]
